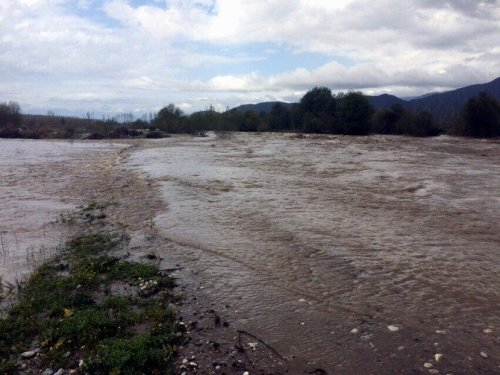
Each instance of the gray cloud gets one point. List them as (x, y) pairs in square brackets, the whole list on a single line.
[(52, 56)]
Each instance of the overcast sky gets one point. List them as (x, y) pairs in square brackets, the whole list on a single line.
[(112, 56)]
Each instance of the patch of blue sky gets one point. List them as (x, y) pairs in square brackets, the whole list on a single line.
[(92, 10), (263, 58)]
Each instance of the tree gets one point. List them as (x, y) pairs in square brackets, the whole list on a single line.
[(278, 118), (318, 110), (424, 125), (251, 122), (10, 114), (481, 116), (169, 118), (354, 113)]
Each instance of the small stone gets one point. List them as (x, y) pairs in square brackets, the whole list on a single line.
[(185, 361), (438, 356), (440, 332), (73, 372), (302, 300), (366, 337), (60, 372), (48, 371), (253, 345), (29, 354), (428, 365), (81, 363), (354, 331), (217, 368), (393, 328), (488, 331), (400, 348), (484, 355), (246, 373), (193, 364)]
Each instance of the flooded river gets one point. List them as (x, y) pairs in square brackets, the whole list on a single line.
[(355, 255), (350, 254), (39, 182)]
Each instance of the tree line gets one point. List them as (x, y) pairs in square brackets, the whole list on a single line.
[(318, 111)]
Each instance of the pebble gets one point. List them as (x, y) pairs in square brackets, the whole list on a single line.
[(81, 363), (28, 354), (393, 328), (440, 332), (438, 356), (428, 365), (354, 331), (302, 300), (366, 337), (253, 345), (246, 373), (60, 372), (484, 354), (48, 371), (488, 331), (73, 372)]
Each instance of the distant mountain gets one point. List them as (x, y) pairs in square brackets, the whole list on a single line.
[(408, 98), (259, 107), (443, 106), (384, 101)]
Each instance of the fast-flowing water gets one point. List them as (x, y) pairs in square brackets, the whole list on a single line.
[(319, 244), (37, 181)]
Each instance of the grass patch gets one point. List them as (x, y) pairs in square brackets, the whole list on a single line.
[(67, 312)]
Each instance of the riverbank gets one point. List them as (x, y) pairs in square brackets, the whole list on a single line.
[(115, 203)]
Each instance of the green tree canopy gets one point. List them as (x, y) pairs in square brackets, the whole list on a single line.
[(169, 119), (354, 113), (481, 116)]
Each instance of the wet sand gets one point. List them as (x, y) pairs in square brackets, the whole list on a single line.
[(314, 245)]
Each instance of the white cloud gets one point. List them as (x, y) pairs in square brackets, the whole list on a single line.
[(173, 50)]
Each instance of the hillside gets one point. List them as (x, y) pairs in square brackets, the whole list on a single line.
[(443, 106)]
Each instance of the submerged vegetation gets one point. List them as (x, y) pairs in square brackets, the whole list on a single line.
[(90, 310)]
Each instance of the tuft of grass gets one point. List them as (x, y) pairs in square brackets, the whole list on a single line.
[(64, 307)]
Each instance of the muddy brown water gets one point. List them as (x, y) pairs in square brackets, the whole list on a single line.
[(319, 244), (313, 244)]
